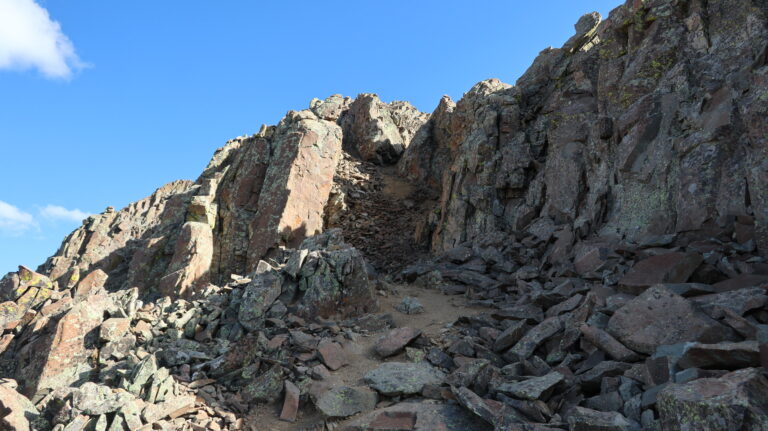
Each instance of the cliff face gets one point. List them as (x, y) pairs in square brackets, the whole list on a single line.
[(652, 122), (609, 212)]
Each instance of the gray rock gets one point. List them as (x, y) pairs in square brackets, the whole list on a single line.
[(346, 401), (736, 401), (410, 306), (403, 378), (536, 388)]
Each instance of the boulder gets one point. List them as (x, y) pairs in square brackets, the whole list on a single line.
[(675, 267), (400, 378), (343, 401), (659, 317), (395, 341), (735, 401), (16, 411), (61, 357)]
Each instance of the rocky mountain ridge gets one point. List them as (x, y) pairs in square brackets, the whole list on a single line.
[(608, 212)]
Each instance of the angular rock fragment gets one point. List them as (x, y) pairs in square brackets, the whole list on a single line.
[(535, 388), (395, 341), (402, 378), (720, 356), (583, 419), (659, 317), (736, 401), (346, 401), (672, 267)]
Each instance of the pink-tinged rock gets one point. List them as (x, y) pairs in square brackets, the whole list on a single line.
[(395, 341), (291, 402), (332, 354), (741, 282), (191, 263), (388, 421), (5, 341), (129, 230), (659, 317), (63, 356), (16, 411), (675, 267), (90, 284), (296, 184)]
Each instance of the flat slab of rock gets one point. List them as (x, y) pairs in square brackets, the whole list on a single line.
[(584, 419), (735, 401), (428, 417), (721, 356), (346, 401), (659, 317), (401, 378), (332, 354), (531, 340), (16, 410), (290, 402), (533, 389), (395, 341), (675, 267)]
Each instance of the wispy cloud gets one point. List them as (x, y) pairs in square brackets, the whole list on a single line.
[(14, 221), (56, 212), (29, 38)]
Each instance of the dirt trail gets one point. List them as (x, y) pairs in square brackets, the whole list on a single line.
[(439, 311)]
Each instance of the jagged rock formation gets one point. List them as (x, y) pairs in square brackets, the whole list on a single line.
[(609, 212), (650, 123)]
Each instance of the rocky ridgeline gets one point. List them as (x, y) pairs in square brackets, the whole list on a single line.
[(604, 221)]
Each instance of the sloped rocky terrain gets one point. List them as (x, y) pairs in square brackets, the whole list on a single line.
[(583, 250)]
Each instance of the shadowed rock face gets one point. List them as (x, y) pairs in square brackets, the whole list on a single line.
[(645, 124)]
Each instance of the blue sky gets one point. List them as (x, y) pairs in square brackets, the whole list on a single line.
[(104, 101)]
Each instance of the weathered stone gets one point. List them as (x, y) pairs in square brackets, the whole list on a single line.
[(346, 401), (536, 388), (380, 132), (92, 399), (736, 401), (265, 388), (510, 336), (335, 280), (428, 417), (89, 284), (403, 378), (739, 301), (531, 340), (583, 419), (16, 411), (605, 342), (672, 267), (332, 354), (395, 341), (258, 296), (410, 306), (659, 317), (189, 269), (290, 402), (61, 358), (721, 356), (114, 328)]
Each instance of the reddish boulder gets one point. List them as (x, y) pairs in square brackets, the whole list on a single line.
[(659, 317), (675, 267)]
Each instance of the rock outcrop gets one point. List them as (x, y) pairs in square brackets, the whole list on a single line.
[(604, 220)]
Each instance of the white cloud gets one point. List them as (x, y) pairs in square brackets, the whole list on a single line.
[(61, 213), (13, 220), (30, 39)]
